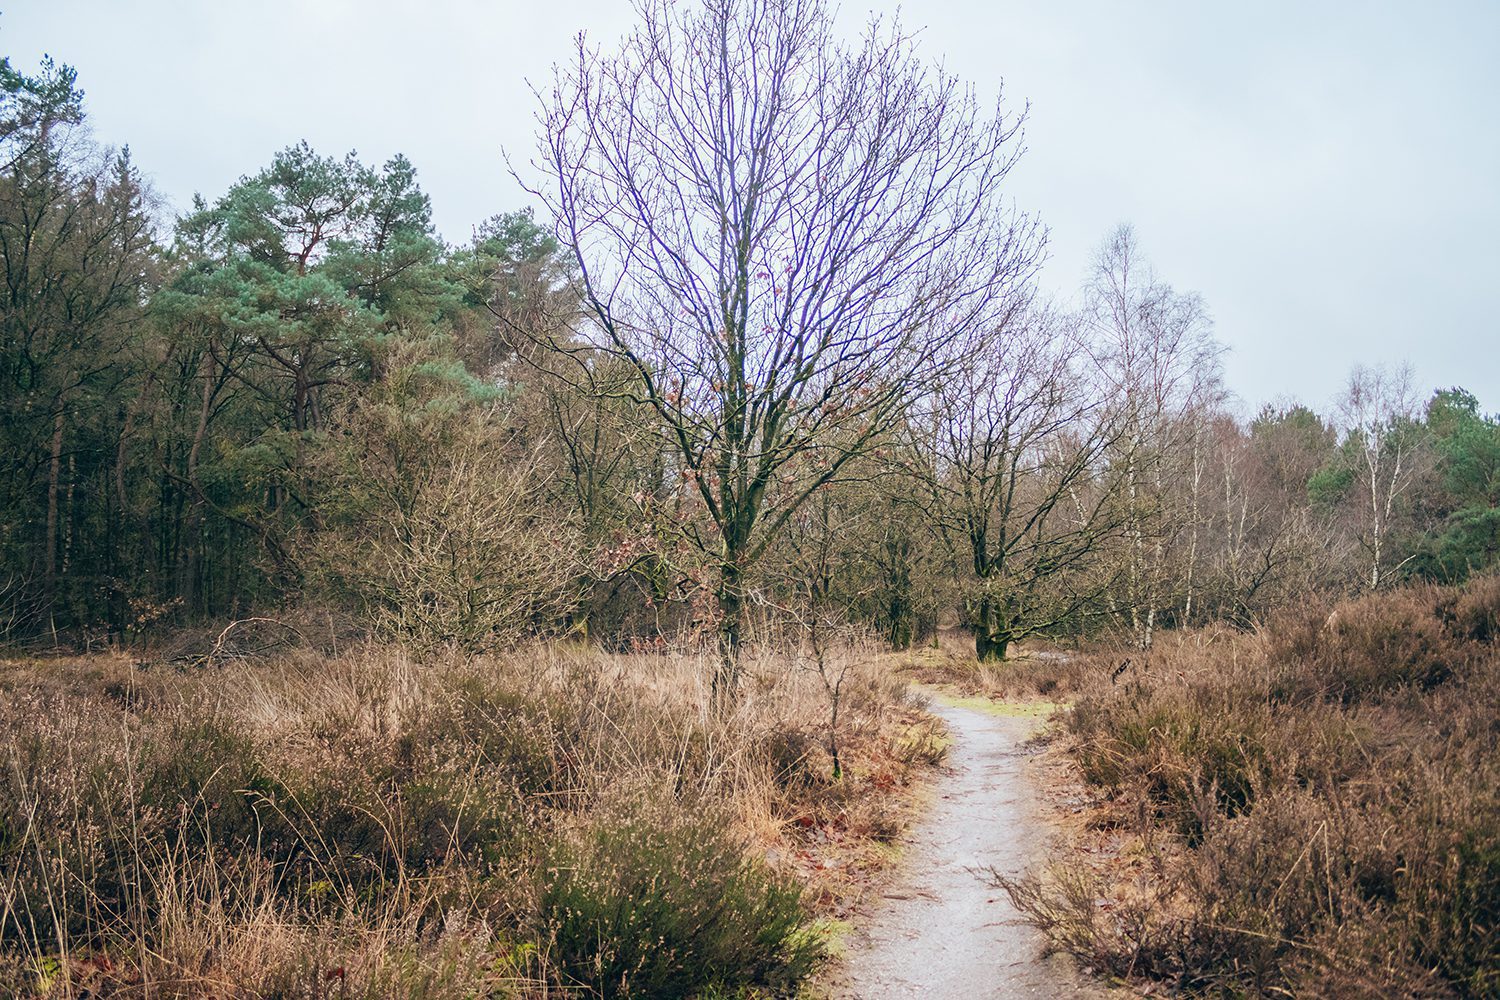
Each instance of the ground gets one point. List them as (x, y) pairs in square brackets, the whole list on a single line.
[(940, 927)]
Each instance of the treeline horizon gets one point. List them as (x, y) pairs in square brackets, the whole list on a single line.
[(297, 395)]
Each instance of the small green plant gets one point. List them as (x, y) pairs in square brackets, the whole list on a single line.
[(655, 906)]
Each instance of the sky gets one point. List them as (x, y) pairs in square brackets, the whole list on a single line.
[(1325, 174)]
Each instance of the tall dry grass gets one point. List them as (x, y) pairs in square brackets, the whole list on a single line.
[(373, 825)]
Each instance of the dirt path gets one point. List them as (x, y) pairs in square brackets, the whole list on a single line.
[(940, 929)]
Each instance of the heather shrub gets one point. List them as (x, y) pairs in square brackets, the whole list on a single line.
[(1316, 806), (791, 753), (1473, 613), (1448, 882), (669, 906), (368, 825), (1416, 638)]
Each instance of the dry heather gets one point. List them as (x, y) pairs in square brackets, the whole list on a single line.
[(1310, 810), (370, 826)]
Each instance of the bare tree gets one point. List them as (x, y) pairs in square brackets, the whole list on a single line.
[(445, 527), (1378, 414), (1163, 377), (787, 237), (1015, 442), (1255, 538), (811, 615)]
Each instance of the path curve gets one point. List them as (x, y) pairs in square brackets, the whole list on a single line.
[(940, 929)]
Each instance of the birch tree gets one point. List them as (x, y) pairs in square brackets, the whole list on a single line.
[(1162, 374), (1386, 444)]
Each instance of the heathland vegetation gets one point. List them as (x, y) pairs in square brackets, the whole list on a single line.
[(1311, 808), (397, 617)]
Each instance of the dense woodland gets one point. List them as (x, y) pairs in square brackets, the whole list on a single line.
[(297, 394), (762, 411)]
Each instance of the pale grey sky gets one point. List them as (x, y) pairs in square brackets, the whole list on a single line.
[(1326, 174)]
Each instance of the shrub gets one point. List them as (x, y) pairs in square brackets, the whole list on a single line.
[(1449, 887), (670, 907), (1474, 612), (441, 526), (1318, 807), (270, 823)]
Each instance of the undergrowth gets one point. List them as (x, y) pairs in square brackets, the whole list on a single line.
[(1312, 809), (1031, 673), (549, 822)]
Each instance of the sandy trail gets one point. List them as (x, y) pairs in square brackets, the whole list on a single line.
[(940, 930)]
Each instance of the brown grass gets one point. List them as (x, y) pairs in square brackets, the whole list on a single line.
[(368, 825), (1311, 810), (1033, 671)]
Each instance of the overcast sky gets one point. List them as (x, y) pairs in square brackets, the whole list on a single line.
[(1327, 175)]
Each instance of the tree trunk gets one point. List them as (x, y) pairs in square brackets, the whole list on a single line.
[(992, 636), (189, 569), (49, 548), (1192, 559), (902, 629), (731, 621), (991, 648), (66, 560)]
